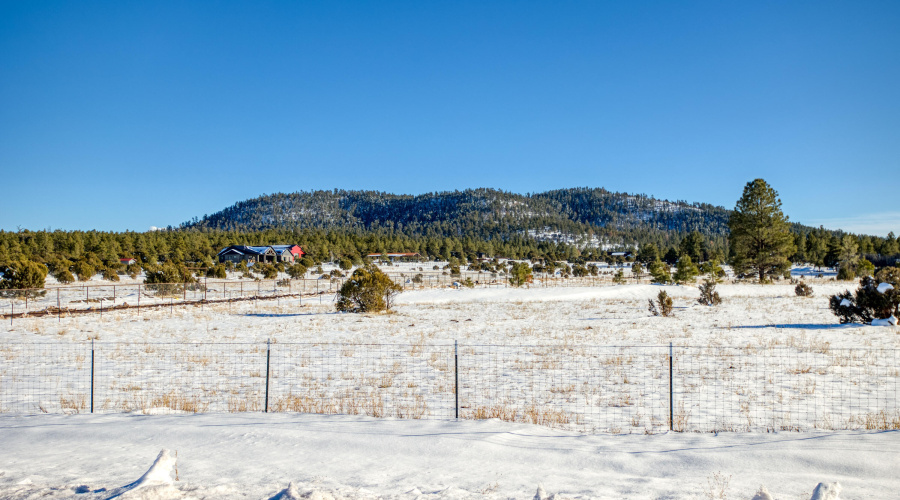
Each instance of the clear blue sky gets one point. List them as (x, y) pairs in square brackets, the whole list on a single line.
[(125, 115)]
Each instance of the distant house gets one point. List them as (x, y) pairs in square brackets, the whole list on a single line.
[(392, 256), (271, 253), (129, 261), (620, 254)]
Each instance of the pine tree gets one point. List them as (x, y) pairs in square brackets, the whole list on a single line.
[(761, 242), (647, 254), (848, 258), (692, 246), (659, 270), (686, 271)]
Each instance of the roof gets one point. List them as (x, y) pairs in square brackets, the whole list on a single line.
[(257, 250), (395, 254)]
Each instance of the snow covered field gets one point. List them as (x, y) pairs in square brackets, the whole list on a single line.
[(249, 455), (590, 359)]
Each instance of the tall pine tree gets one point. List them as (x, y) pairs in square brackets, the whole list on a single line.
[(761, 242)]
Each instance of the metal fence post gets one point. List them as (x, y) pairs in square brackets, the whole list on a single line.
[(671, 400), (456, 375), (92, 375), (268, 357)]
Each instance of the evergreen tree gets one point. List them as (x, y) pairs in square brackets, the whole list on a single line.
[(659, 270), (692, 246), (671, 257), (23, 274), (848, 258), (519, 273), (686, 271), (761, 242), (817, 247), (648, 254), (637, 270)]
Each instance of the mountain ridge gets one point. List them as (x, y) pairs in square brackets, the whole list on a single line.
[(481, 212)]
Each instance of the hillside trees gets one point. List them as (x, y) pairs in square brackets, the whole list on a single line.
[(761, 242)]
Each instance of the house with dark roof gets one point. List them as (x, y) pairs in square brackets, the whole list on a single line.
[(271, 253)]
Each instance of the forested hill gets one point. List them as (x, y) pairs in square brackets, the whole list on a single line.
[(480, 213)]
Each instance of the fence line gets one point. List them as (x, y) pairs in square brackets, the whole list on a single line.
[(644, 389), (98, 298)]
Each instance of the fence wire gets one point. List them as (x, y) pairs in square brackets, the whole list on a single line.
[(617, 389)]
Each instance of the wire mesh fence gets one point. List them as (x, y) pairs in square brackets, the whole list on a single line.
[(617, 389)]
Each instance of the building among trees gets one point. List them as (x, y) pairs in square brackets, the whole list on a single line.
[(271, 253)]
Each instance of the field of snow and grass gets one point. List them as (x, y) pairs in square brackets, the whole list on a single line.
[(573, 359)]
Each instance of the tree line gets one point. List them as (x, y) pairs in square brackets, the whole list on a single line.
[(180, 253)]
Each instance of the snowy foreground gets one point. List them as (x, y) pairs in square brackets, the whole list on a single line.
[(258, 456), (255, 455)]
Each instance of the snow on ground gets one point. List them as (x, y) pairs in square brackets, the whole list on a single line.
[(759, 314), (252, 455), (258, 456)]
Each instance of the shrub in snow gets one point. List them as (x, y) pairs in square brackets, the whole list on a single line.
[(872, 300), (267, 270), (298, 270), (133, 270), (109, 274), (662, 306), (846, 273), (708, 294), (367, 290), (84, 270), (803, 290), (217, 271), (64, 276), (22, 274), (619, 277), (167, 279)]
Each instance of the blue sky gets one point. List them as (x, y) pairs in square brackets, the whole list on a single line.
[(126, 115)]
